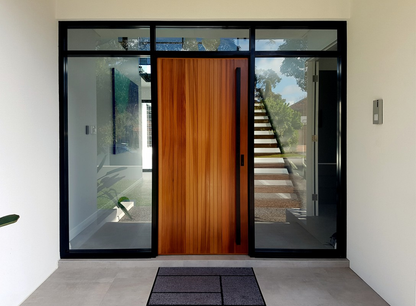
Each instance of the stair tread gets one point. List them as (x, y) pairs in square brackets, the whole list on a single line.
[(267, 150), (275, 196), (259, 154), (272, 177), (270, 170), (269, 141), (262, 128), (265, 145), (273, 189), (273, 183), (263, 136), (269, 165), (279, 203)]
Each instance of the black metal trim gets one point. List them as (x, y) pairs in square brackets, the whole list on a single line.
[(250, 157), (155, 143), (342, 142), (268, 24), (63, 148), (64, 54)]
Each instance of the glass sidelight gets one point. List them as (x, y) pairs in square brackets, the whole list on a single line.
[(295, 164), (109, 163)]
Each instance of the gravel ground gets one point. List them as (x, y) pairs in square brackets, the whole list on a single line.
[(139, 213)]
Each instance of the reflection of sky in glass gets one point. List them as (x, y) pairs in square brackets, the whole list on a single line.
[(268, 44), (287, 87), (243, 43), (177, 44)]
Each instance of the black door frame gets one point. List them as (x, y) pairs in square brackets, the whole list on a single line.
[(251, 54)]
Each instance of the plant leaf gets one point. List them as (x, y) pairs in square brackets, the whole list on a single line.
[(121, 206), (123, 199), (9, 219)]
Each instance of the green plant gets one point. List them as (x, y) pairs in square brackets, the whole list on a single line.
[(121, 206), (9, 219), (105, 190)]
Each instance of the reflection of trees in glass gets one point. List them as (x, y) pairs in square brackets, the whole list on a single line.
[(295, 66), (285, 120), (196, 44), (124, 43), (266, 80)]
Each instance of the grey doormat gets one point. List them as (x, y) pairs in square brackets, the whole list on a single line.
[(205, 286)]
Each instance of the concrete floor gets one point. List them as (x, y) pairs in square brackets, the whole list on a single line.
[(286, 282)]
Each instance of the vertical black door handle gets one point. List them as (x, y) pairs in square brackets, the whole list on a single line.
[(237, 154)]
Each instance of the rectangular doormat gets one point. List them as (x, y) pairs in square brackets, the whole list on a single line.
[(205, 286)]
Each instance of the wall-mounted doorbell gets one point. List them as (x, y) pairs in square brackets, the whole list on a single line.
[(378, 111)]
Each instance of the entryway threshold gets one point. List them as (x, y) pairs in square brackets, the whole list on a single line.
[(207, 261)]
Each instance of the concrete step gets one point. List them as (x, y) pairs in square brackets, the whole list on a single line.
[(264, 125), (264, 154), (279, 203), (270, 171), (272, 177), (270, 160), (264, 132), (204, 261), (274, 189), (269, 141), (269, 150), (276, 196)]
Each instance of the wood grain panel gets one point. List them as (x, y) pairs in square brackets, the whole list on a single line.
[(197, 156)]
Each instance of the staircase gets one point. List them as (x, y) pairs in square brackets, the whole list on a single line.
[(273, 184)]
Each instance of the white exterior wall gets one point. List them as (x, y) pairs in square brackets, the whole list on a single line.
[(29, 146), (203, 10), (381, 158)]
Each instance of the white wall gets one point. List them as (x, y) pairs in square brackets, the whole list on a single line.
[(381, 158), (82, 148), (202, 10), (29, 163)]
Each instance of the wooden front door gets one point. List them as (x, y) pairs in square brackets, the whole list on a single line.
[(198, 173)]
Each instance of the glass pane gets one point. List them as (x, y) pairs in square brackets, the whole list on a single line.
[(295, 176), (201, 39), (296, 40), (110, 178), (109, 39)]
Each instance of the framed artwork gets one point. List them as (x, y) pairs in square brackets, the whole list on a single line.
[(125, 113)]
